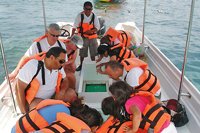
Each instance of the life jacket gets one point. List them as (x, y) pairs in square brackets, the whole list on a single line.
[(33, 121), (124, 53), (123, 36), (66, 124), (33, 87), (115, 126), (153, 116), (83, 27), (38, 42), (147, 81)]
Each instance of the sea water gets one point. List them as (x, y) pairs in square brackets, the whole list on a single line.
[(21, 21)]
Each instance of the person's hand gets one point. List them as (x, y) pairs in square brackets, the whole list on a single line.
[(99, 68), (12, 75), (99, 59), (100, 65), (127, 129), (89, 32)]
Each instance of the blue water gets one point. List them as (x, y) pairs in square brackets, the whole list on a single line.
[(166, 25)]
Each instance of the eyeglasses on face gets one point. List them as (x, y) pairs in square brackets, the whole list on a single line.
[(61, 61), (89, 9), (54, 35)]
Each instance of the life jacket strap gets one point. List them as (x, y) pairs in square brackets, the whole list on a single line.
[(29, 120), (50, 127), (145, 118)]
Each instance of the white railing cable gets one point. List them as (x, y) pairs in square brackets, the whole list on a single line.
[(6, 71), (44, 16), (186, 48), (144, 17)]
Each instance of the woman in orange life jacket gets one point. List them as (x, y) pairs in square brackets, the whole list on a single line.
[(112, 125), (146, 111), (72, 44)]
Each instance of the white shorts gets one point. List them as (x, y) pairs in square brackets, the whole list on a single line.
[(170, 129)]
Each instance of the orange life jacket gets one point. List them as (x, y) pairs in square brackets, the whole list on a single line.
[(147, 81), (124, 53), (66, 124), (32, 88), (123, 36), (153, 116), (38, 42), (83, 27), (33, 121), (115, 126)]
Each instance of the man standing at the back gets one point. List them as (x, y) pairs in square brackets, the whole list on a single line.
[(87, 25)]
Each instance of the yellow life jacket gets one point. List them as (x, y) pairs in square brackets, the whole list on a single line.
[(147, 81), (83, 27), (33, 121)]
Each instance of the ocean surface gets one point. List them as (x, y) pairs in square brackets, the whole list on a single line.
[(21, 21)]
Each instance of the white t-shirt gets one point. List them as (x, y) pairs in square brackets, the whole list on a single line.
[(86, 20), (132, 78), (45, 91), (44, 46)]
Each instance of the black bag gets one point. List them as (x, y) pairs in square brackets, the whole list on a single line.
[(177, 112)]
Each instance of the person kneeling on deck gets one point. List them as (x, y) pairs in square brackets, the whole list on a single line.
[(72, 44), (60, 119), (112, 125), (146, 112), (135, 72), (41, 77), (87, 25)]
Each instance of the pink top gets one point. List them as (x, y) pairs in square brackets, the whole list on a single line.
[(141, 102)]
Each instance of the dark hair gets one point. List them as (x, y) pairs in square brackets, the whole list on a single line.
[(107, 106), (103, 48), (121, 92), (55, 51), (105, 39), (87, 3), (89, 115), (114, 65)]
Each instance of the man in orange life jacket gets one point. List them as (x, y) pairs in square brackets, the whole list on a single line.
[(43, 43), (40, 78), (135, 72), (87, 25)]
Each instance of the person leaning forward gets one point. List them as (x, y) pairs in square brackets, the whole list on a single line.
[(87, 25), (41, 44), (135, 72), (41, 77)]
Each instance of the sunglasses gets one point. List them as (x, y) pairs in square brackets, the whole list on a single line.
[(61, 61), (54, 35), (89, 9)]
